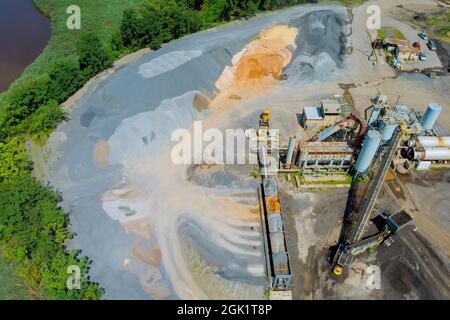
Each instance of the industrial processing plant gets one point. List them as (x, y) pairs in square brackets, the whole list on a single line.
[(234, 150), (390, 138)]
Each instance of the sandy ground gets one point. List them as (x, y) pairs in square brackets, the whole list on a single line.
[(164, 231)]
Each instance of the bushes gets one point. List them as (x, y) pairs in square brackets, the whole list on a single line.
[(160, 21), (129, 28), (152, 32), (93, 56), (65, 79), (22, 101), (33, 229), (13, 159), (46, 119)]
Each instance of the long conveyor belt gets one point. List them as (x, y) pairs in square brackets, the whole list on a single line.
[(364, 216)]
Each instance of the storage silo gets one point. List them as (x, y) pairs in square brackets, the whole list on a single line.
[(388, 130), (432, 142), (368, 151), (435, 154), (290, 151), (430, 116), (264, 163)]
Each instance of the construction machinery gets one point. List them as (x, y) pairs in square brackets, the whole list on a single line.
[(357, 220), (264, 118), (387, 225), (350, 122)]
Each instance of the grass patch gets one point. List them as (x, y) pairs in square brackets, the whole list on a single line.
[(100, 16), (389, 32), (437, 26), (255, 174), (440, 19), (347, 180), (346, 2), (443, 31), (12, 286)]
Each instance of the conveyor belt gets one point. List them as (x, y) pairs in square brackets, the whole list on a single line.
[(364, 216)]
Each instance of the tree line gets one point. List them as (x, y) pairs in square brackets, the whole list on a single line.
[(33, 228), (160, 21)]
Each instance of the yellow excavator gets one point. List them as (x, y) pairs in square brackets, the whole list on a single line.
[(264, 118)]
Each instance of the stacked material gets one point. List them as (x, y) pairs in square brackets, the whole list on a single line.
[(280, 267)]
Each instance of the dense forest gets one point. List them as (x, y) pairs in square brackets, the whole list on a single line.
[(33, 228), (160, 21)]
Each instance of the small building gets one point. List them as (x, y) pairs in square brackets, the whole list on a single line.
[(330, 107), (312, 118), (331, 110), (318, 118), (402, 50)]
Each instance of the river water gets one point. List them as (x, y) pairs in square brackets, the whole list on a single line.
[(24, 33)]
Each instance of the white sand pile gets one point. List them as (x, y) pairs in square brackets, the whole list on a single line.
[(155, 191), (167, 62)]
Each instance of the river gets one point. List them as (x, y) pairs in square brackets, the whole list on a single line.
[(24, 33)]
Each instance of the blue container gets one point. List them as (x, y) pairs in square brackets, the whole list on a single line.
[(368, 151), (430, 116), (388, 131)]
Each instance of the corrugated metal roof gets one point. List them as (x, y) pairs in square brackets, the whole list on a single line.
[(313, 113), (330, 106)]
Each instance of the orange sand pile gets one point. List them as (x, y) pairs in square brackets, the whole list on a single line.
[(101, 153), (273, 204), (267, 56), (258, 67)]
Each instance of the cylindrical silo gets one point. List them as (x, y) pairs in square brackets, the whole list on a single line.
[(429, 142), (290, 151), (263, 161), (388, 130), (435, 154), (430, 116), (370, 146)]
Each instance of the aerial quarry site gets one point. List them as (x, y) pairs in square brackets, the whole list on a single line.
[(349, 195)]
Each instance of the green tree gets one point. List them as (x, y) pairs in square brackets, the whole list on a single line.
[(14, 160), (212, 12), (93, 55), (238, 9), (179, 19), (117, 46), (54, 277), (46, 119), (20, 102), (65, 78), (153, 30), (33, 230), (129, 28)]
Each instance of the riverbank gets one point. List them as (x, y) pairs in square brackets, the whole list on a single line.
[(63, 42), (33, 255)]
